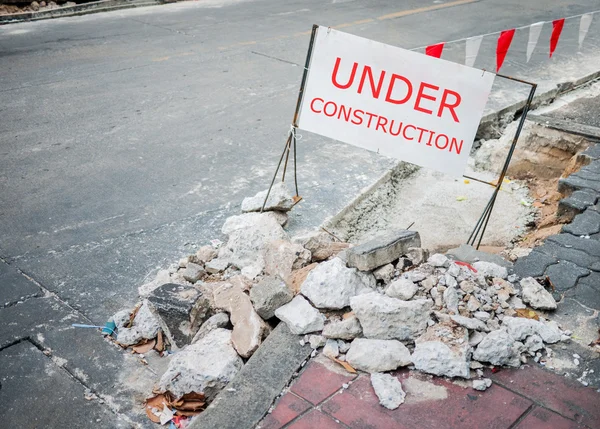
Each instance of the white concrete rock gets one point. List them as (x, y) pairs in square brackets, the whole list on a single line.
[(386, 318), (128, 336), (549, 332), (402, 288), (489, 269), (377, 355), (536, 296), (443, 350), (280, 199), (317, 341), (534, 343), (388, 389), (331, 284), (121, 318), (498, 348), (451, 300), (206, 254), (219, 320), (268, 295), (438, 260), (384, 273), (345, 329), (331, 349), (281, 257), (482, 384), (146, 322), (204, 367), (300, 316), (469, 323)]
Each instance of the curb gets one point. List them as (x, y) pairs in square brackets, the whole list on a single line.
[(80, 9)]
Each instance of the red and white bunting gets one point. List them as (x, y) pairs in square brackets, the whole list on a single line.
[(435, 50), (472, 46), (534, 35), (557, 26), (504, 41), (584, 26)]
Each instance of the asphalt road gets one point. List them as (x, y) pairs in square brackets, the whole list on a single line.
[(127, 137)]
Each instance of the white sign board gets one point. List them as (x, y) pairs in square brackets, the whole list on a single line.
[(399, 103)]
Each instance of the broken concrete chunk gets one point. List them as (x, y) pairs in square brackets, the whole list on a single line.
[(331, 349), (248, 328), (206, 254), (498, 348), (320, 244), (346, 329), (280, 199), (475, 338), (219, 320), (146, 322), (205, 367), (388, 389), (331, 284), (534, 343), (382, 250), (443, 350), (121, 318), (128, 336), (300, 316), (438, 260), (281, 257), (417, 255), (316, 341), (384, 273), (550, 332), (377, 355), (181, 310), (489, 269), (469, 323), (482, 384), (193, 272), (402, 288), (451, 299), (268, 295), (217, 265), (384, 318), (536, 296), (520, 328)]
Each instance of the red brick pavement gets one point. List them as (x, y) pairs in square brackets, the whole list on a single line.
[(526, 398)]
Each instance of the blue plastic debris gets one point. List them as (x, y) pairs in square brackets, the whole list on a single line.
[(109, 328)]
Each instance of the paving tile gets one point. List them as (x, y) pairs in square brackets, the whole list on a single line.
[(534, 264), (14, 286), (315, 420), (317, 383), (457, 406), (567, 397), (541, 418), (287, 409)]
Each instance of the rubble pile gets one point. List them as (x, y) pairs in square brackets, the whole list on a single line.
[(374, 307)]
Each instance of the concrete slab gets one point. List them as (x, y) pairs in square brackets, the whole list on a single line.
[(14, 286)]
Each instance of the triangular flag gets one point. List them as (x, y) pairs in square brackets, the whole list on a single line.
[(557, 26), (504, 42), (472, 49), (435, 50), (584, 26), (534, 35)]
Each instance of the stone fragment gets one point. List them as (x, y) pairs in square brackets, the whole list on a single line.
[(181, 309), (482, 315), (438, 260), (299, 276), (402, 288), (469, 323), (205, 367), (520, 328), (388, 389), (121, 318), (549, 332), (248, 235), (281, 257), (206, 254), (217, 265), (467, 286), (382, 249), (384, 273), (320, 244), (482, 384), (280, 199), (475, 338), (429, 283), (346, 329), (316, 341), (451, 300), (489, 269), (498, 348), (417, 255), (331, 349), (385, 318), (193, 272), (300, 316), (473, 304), (332, 284), (443, 350), (241, 282), (534, 343), (536, 296), (128, 336), (377, 355), (343, 346), (146, 322), (268, 295), (248, 328), (219, 320)]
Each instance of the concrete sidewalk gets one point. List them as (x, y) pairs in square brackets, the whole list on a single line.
[(325, 397)]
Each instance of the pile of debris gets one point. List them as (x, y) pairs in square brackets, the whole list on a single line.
[(16, 6), (374, 307)]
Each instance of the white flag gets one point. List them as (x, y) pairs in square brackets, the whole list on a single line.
[(472, 48), (534, 35), (584, 26)]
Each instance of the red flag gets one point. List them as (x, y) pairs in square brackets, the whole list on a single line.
[(504, 42), (557, 27), (435, 50)]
